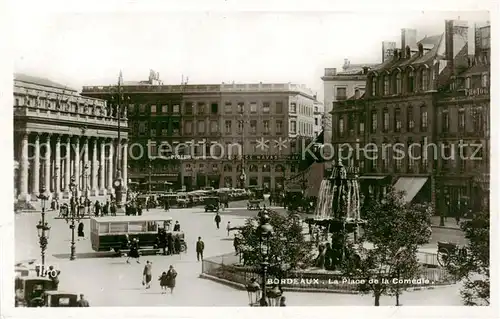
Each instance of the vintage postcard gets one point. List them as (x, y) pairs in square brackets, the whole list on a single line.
[(250, 159)]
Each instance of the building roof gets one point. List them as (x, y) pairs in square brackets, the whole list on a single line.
[(476, 69), (40, 81)]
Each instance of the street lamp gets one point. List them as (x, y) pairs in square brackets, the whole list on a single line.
[(43, 229), (265, 233), (73, 214), (150, 168)]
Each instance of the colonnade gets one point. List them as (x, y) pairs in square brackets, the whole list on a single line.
[(49, 161)]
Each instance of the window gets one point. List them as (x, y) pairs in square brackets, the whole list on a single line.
[(142, 128), (293, 127), (201, 108), (214, 127), (279, 107), (423, 119), (177, 108), (153, 109), (253, 127), (266, 107), (188, 127), (399, 163), (409, 119), (485, 80), (374, 86), (341, 94), (201, 127), (240, 127), (214, 108), (411, 82), (131, 107), (228, 168), (266, 168), (241, 107), (477, 120), (153, 131), (385, 154), (398, 83), (188, 108), (361, 125), (386, 121), (341, 126), (279, 168), (461, 120), (445, 119), (228, 107), (315, 121), (424, 80), (142, 108), (253, 107), (266, 127), (176, 126), (374, 121), (293, 108), (228, 127), (397, 120), (386, 85), (424, 161), (411, 156), (279, 127), (467, 83)]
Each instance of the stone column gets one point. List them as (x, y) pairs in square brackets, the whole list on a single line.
[(77, 165), (95, 164), (86, 167), (23, 176), (57, 169), (110, 168), (125, 164), (67, 168), (102, 168), (48, 155), (36, 169)]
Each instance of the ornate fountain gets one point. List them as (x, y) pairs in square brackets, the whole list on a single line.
[(338, 210)]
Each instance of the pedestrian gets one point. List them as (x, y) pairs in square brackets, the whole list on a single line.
[(80, 230), (457, 218), (177, 226), (177, 245), (217, 220), (167, 205), (283, 301), (105, 209), (82, 302), (139, 210), (134, 250), (170, 243), (54, 276), (200, 247), (147, 274), (171, 275), (97, 208), (236, 244), (228, 227), (113, 209), (163, 282)]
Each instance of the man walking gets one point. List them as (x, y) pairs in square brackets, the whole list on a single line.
[(217, 220), (147, 273), (200, 246)]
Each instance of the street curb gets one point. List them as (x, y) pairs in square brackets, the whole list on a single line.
[(445, 227), (239, 286)]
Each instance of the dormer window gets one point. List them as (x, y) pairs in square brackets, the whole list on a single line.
[(398, 83), (424, 80), (467, 83), (411, 82), (386, 85), (374, 86)]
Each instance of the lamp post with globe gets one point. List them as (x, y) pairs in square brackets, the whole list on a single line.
[(43, 230)]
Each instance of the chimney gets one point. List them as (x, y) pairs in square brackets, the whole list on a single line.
[(346, 64), (457, 44), (408, 39), (365, 70), (388, 48)]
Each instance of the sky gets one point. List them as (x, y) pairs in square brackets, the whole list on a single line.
[(90, 48)]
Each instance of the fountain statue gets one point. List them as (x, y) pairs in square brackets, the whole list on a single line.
[(338, 209)]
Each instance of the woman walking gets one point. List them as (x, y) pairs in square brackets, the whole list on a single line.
[(171, 274), (163, 282)]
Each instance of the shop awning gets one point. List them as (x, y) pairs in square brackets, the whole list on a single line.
[(375, 177), (410, 185)]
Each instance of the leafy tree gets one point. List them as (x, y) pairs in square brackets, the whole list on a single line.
[(288, 244), (472, 264), (396, 230)]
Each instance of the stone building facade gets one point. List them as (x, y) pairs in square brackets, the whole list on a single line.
[(59, 134)]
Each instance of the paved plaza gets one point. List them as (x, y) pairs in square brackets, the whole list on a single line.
[(113, 282)]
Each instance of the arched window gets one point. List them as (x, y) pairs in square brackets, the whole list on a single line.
[(398, 83), (374, 86), (424, 80), (279, 168), (253, 168), (266, 168), (411, 82), (238, 168), (228, 168), (386, 84)]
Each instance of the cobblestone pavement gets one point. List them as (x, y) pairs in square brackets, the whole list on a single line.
[(113, 282)]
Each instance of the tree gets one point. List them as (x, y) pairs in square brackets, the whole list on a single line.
[(396, 230), (472, 264), (288, 244)]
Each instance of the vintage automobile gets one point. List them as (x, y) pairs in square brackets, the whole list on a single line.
[(114, 232), (29, 290), (253, 204), (60, 299), (182, 200), (212, 204)]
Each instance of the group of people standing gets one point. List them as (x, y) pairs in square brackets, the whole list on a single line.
[(167, 278)]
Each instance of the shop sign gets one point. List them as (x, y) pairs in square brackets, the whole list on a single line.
[(477, 91)]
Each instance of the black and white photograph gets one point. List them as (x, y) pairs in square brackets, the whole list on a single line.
[(250, 158)]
